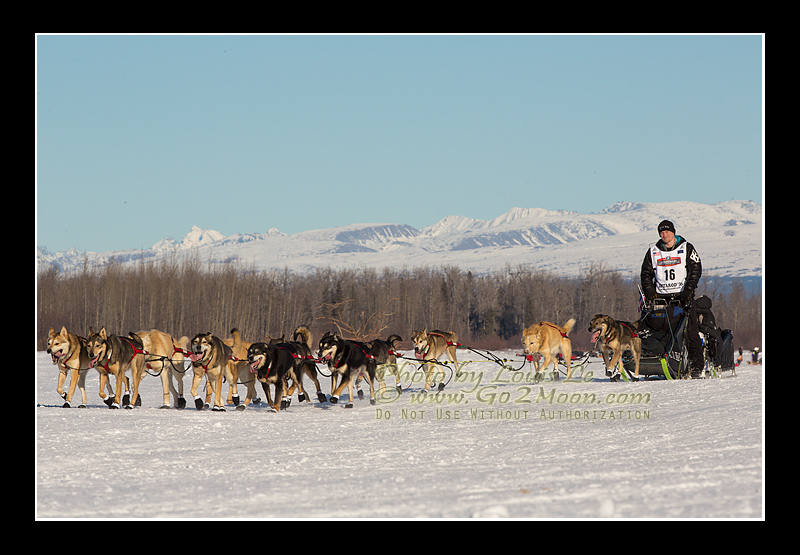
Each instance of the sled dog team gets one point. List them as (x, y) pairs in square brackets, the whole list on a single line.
[(277, 361)]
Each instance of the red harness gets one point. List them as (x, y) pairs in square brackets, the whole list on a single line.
[(136, 351), (449, 343), (633, 332), (554, 327)]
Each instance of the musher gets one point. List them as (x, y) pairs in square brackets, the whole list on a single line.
[(671, 270)]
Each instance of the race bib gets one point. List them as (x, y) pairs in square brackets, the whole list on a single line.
[(670, 269)]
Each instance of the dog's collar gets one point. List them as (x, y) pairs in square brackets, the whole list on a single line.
[(199, 362), (108, 359), (62, 362), (338, 360)]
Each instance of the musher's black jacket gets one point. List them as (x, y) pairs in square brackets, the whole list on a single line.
[(694, 268)]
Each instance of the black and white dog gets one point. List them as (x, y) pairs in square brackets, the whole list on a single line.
[(347, 359), (272, 365)]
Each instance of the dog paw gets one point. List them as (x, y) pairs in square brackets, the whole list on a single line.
[(321, 397), (198, 403), (349, 406), (301, 397), (334, 400), (235, 400), (218, 409), (181, 403), (82, 406), (360, 394), (240, 408), (65, 405)]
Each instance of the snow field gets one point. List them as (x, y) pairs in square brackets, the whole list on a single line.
[(494, 445)]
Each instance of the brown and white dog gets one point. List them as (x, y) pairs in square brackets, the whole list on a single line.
[(616, 336), (549, 340), (432, 346), (68, 352), (115, 355), (211, 358), (241, 371)]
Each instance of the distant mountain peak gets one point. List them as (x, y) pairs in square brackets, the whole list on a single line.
[(199, 237), (551, 240), (622, 206)]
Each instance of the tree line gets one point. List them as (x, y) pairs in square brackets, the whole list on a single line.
[(185, 297)]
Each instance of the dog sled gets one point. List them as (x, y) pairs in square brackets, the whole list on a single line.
[(665, 352), (717, 342)]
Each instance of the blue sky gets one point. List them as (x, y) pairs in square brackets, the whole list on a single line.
[(141, 137)]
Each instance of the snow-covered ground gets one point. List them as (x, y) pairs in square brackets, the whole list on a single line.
[(497, 446)]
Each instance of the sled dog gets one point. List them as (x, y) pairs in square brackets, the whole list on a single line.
[(241, 372), (385, 353), (430, 347), (549, 339), (112, 354), (616, 336), (164, 355), (347, 359), (211, 358), (68, 352), (303, 364), (271, 364)]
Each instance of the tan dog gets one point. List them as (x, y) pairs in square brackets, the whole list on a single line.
[(164, 355), (212, 358), (68, 352), (431, 346), (616, 336), (112, 354), (240, 370), (549, 339)]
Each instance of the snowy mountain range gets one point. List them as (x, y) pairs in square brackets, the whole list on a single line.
[(727, 235)]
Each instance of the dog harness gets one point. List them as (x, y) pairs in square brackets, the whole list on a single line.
[(449, 343), (108, 360), (633, 332), (136, 351), (338, 361), (554, 327)]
